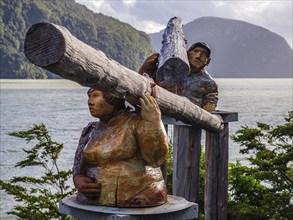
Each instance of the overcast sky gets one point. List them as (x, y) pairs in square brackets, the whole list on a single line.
[(153, 15)]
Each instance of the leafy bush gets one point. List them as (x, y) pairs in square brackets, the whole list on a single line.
[(263, 190), (38, 197)]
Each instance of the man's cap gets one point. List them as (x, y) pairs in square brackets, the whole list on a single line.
[(200, 44)]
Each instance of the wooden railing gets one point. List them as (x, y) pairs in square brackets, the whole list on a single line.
[(186, 164)]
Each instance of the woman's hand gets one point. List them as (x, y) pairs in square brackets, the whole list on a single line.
[(150, 110), (87, 186)]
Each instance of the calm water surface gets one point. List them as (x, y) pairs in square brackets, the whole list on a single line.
[(62, 106)]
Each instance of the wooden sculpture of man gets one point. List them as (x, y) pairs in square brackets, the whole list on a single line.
[(199, 87), (117, 162)]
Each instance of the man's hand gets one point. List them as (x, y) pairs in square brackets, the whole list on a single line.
[(150, 110), (209, 108), (150, 65), (87, 186)]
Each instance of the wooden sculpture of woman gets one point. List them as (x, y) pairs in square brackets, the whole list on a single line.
[(117, 162)]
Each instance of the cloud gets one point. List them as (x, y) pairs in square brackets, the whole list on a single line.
[(129, 3), (275, 16), (153, 15)]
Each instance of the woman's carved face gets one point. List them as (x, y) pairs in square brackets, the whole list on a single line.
[(98, 107)]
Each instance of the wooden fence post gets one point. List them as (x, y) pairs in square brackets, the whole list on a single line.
[(186, 162), (216, 170), (164, 166)]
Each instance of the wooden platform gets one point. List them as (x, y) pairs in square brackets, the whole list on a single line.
[(176, 208)]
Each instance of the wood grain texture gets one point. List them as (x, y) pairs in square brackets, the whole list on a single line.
[(216, 175), (186, 162), (173, 61), (53, 48)]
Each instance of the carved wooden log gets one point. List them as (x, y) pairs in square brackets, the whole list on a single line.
[(173, 61), (53, 48)]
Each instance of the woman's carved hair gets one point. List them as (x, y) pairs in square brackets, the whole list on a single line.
[(119, 103)]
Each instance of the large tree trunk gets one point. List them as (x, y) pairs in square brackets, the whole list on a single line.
[(53, 48)]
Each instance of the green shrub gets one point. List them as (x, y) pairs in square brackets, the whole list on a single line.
[(264, 189), (38, 197)]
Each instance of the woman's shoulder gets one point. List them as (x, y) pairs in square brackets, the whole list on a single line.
[(89, 127), (131, 117)]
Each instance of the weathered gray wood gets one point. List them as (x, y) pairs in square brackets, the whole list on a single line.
[(173, 61), (53, 48), (216, 170), (216, 175), (177, 208), (164, 166), (227, 116), (186, 162)]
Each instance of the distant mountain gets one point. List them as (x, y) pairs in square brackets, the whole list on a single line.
[(116, 39), (239, 49)]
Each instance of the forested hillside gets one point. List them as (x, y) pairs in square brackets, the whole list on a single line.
[(116, 39)]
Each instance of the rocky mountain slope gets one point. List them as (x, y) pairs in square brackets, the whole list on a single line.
[(239, 49)]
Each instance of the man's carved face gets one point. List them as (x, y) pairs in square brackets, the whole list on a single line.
[(198, 58), (98, 107)]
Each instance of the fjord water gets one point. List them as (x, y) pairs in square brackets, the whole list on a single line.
[(62, 106)]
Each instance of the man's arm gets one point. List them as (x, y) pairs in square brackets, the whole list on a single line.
[(210, 99), (150, 66)]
